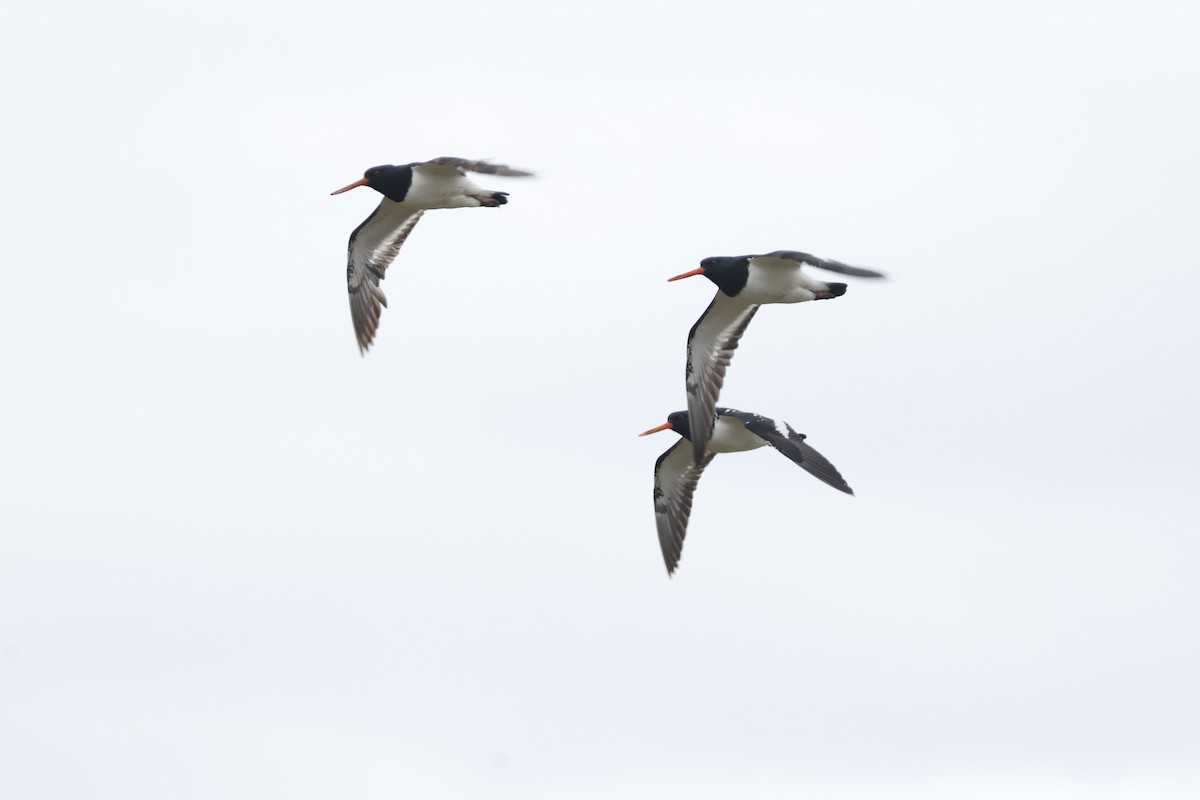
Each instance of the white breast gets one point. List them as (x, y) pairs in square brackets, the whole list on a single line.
[(779, 280), (730, 436), (775, 285), (441, 191)]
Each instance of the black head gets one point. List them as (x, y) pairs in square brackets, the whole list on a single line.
[(389, 180), (729, 273), (677, 422)]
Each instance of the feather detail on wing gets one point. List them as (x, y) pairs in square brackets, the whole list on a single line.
[(373, 247), (787, 441), (711, 343), (675, 479), (823, 263), (483, 167)]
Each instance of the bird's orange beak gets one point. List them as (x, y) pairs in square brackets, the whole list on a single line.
[(698, 271), (664, 427), (355, 185)]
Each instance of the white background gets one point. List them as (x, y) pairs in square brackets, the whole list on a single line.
[(240, 561)]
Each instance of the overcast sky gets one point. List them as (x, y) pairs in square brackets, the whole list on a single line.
[(239, 560)]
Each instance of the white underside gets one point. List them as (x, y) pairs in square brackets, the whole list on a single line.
[(730, 436), (438, 190), (779, 280)]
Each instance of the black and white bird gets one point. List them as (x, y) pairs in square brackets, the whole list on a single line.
[(743, 284), (408, 190), (676, 472)]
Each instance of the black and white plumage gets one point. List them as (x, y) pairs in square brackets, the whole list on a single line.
[(677, 472), (743, 284), (408, 190)]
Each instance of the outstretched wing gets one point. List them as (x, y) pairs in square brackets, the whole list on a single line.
[(484, 167), (711, 343), (373, 246), (675, 479), (786, 440), (823, 263)]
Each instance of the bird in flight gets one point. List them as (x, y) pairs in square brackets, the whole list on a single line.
[(409, 190), (743, 284), (676, 472)]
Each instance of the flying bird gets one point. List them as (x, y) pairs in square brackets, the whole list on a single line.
[(409, 190), (743, 284), (676, 473)]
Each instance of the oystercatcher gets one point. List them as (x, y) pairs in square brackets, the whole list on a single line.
[(676, 472), (743, 284), (408, 190)]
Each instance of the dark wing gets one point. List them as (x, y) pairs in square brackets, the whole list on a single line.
[(711, 343), (824, 263), (373, 246), (484, 167), (786, 440), (675, 479)]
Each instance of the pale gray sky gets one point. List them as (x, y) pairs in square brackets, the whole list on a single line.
[(240, 561)]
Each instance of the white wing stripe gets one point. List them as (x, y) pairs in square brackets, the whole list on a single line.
[(713, 339), (373, 247), (675, 479)]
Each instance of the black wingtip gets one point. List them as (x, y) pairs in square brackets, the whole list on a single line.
[(821, 468)]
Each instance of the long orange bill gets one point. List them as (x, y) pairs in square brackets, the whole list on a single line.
[(355, 185), (699, 271), (664, 427)]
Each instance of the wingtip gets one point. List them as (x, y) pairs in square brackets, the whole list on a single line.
[(505, 171)]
